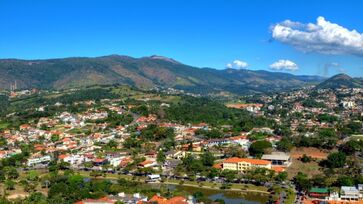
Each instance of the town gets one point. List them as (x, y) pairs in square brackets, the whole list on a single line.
[(300, 146)]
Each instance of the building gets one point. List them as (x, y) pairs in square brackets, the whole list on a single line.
[(174, 200), (319, 193), (147, 163), (348, 104), (39, 160), (278, 159), (251, 107), (244, 164), (104, 200), (153, 178), (349, 193)]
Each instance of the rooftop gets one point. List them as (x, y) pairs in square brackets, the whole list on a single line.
[(247, 160)]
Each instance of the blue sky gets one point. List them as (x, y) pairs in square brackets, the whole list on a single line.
[(198, 33)]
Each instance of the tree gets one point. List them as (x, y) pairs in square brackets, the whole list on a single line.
[(36, 198), (161, 157), (284, 145), (32, 175), (258, 148), (305, 158), (9, 185), (327, 138), (345, 181), (336, 160), (282, 176), (10, 172), (302, 181), (207, 158), (260, 174), (351, 147), (235, 151)]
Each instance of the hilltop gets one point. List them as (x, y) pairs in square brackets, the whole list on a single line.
[(341, 81)]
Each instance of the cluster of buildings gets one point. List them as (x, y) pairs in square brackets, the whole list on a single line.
[(86, 140), (138, 199), (345, 194)]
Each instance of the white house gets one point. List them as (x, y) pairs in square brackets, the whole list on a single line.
[(349, 193), (38, 160)]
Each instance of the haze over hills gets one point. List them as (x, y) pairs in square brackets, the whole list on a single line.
[(145, 72)]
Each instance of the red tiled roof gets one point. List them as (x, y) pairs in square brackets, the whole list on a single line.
[(146, 162), (99, 160), (248, 160), (103, 200), (278, 169), (218, 166), (161, 200), (62, 156)]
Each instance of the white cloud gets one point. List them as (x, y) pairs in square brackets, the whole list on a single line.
[(286, 65), (322, 37), (237, 64)]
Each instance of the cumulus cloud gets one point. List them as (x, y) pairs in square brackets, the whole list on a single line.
[(286, 65), (322, 37), (237, 64)]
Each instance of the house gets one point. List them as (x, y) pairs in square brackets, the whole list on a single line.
[(175, 154), (349, 193), (115, 162), (38, 160), (73, 159), (156, 199), (215, 142), (251, 107), (99, 161), (241, 140), (319, 193), (153, 177), (348, 104), (135, 198), (244, 164), (278, 159), (147, 163)]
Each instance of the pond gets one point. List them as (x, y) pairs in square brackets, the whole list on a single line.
[(230, 197)]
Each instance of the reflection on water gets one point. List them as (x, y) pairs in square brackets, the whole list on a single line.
[(232, 197)]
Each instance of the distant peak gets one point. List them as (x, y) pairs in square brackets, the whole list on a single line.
[(341, 76), (158, 57)]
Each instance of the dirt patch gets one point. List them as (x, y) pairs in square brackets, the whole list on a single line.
[(17, 195), (309, 151)]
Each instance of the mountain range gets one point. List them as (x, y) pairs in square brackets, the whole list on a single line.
[(144, 72)]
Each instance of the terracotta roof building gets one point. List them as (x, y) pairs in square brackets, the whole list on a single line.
[(243, 164)]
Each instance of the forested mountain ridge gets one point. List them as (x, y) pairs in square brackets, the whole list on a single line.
[(145, 72)]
